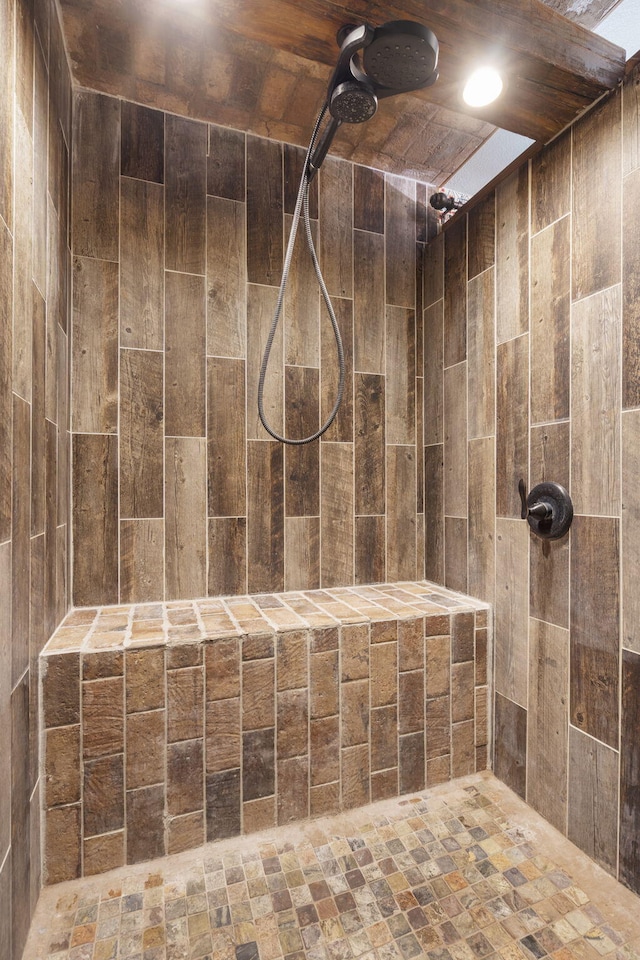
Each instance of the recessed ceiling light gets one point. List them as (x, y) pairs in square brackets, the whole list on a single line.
[(482, 87)]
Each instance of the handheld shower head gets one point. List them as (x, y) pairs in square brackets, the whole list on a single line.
[(353, 101)]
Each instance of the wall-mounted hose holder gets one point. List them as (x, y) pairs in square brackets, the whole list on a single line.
[(548, 509)]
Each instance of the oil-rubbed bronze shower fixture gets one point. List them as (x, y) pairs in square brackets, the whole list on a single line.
[(548, 509)]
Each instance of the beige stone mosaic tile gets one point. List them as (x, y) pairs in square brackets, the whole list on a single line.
[(463, 872)]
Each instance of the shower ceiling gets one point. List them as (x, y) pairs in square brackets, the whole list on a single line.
[(263, 66)]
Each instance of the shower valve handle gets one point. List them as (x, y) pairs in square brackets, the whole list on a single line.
[(548, 509)]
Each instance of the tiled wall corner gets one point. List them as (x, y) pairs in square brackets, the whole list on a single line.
[(35, 119)]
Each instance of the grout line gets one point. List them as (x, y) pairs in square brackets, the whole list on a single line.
[(567, 772)]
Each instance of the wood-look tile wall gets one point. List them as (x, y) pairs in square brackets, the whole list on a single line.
[(179, 231), (544, 279), (35, 114)]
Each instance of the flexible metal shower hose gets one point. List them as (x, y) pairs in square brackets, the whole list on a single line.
[(302, 205)]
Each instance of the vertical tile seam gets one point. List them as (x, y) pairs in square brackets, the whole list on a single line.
[(118, 543), (384, 376), (621, 492), (206, 414), (529, 667), (491, 651), (246, 405), (570, 547)]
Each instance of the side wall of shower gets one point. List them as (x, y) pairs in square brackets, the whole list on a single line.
[(532, 371), (179, 230), (35, 115)]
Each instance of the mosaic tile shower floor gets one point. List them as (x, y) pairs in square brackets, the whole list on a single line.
[(462, 872)]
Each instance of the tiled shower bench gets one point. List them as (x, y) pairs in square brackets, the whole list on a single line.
[(167, 725)]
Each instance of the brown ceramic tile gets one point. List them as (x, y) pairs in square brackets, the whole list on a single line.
[(185, 540), (222, 660), (354, 648), (355, 776), (264, 211), (595, 575), (411, 645), (322, 641), (186, 832), (185, 712), (223, 804), (102, 717), (63, 847), (596, 147), (100, 665), (258, 814), (62, 765), (145, 748), (185, 784), (292, 720), (438, 666), (384, 738), (512, 267), (438, 727), (510, 743), (222, 735), (354, 706), (95, 169), (481, 655), (411, 701), (384, 677), (438, 770), (258, 769), (368, 192), (145, 680), (324, 799), (463, 749), (101, 854), (145, 827), (411, 762), (225, 163), (258, 647), (437, 626), (292, 660), (61, 690), (186, 655), (293, 789), (384, 784), (141, 434), (227, 556), (185, 352), (462, 691), (324, 684), (462, 627), (142, 143), (325, 761), (103, 795), (258, 694), (185, 190)]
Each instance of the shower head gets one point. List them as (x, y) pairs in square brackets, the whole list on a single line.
[(397, 57), (401, 56)]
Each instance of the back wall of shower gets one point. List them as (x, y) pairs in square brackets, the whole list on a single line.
[(179, 230)]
